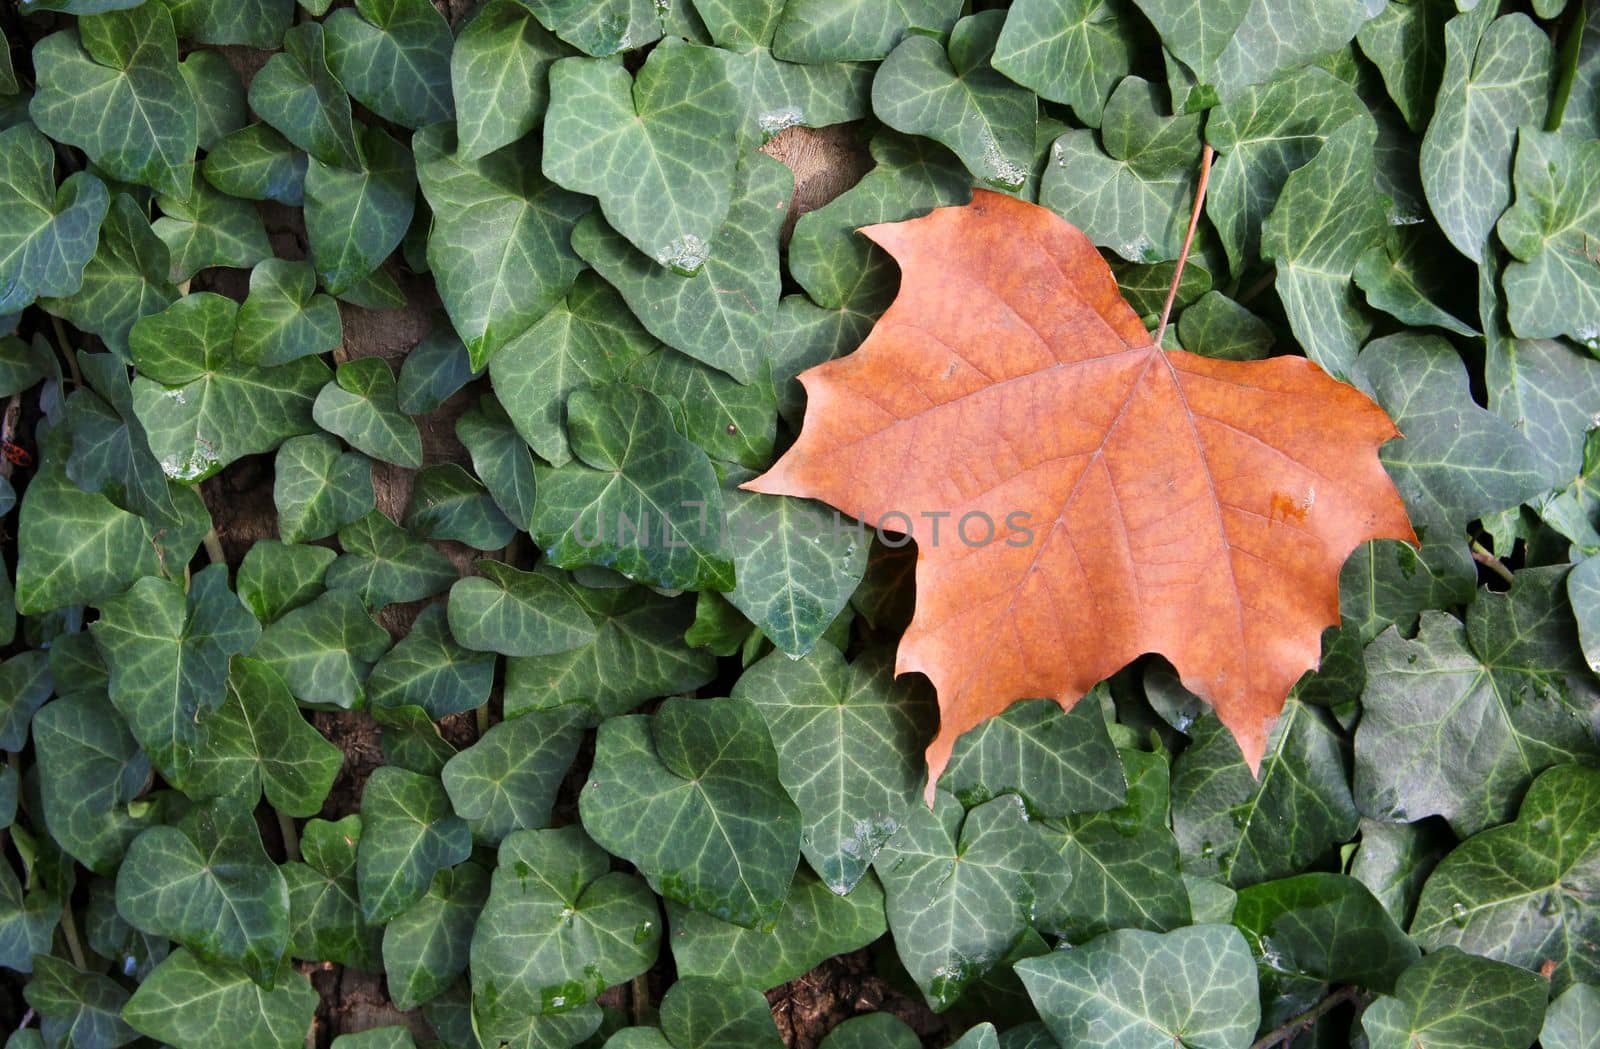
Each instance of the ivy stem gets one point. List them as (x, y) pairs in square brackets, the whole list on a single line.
[(639, 999), (1282, 1035), (1484, 557), (213, 545), (64, 344), (1206, 156), (291, 837), (69, 928), (1571, 41)]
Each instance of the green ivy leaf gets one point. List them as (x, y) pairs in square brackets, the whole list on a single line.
[(560, 926), (779, 94), (356, 217), (1131, 989), (911, 176), (1520, 893), (257, 163), (872, 1031), (590, 338), (297, 95), (1543, 387), (447, 502), (1132, 196), (324, 649), (814, 925), (408, 835), (201, 405), (26, 682), (633, 471), (1457, 461), (600, 27), (218, 94), (254, 23), (394, 1036), (1554, 286), (428, 945), (1511, 681), (167, 653), (1326, 218), (1406, 43), (210, 229), (795, 562), (257, 742), (110, 85), (1573, 1018), (1322, 927), (1117, 868), (207, 882), (731, 423), (723, 315), (47, 235), (1403, 278), (705, 1014), (708, 769), (515, 613), (190, 1004), (277, 577), (428, 669), (318, 488), (360, 406), (1067, 51), (500, 243), (27, 922), (124, 280), (325, 922), (110, 449), (507, 780), (1262, 136), (76, 547), (959, 890), (499, 71), (90, 769), (638, 653), (658, 150), (1496, 78), (77, 1007), (957, 98), (814, 31), (1387, 583), (848, 739), (1460, 1001), (1247, 828), (1217, 326), (393, 56), (499, 456), (384, 564), (283, 318)]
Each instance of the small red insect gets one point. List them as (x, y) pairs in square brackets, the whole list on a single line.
[(16, 454)]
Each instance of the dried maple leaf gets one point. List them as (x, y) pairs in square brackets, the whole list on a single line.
[(1177, 504)]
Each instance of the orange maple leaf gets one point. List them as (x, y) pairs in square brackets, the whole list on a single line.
[(1143, 500)]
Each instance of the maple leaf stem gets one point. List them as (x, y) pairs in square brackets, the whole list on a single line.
[(1206, 156)]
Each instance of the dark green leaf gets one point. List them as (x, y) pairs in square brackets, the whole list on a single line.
[(708, 769), (111, 86), (408, 835), (207, 882), (393, 56)]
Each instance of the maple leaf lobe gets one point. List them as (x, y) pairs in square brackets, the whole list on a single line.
[(1177, 504)]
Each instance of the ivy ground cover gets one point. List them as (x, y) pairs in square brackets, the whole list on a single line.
[(525, 707)]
